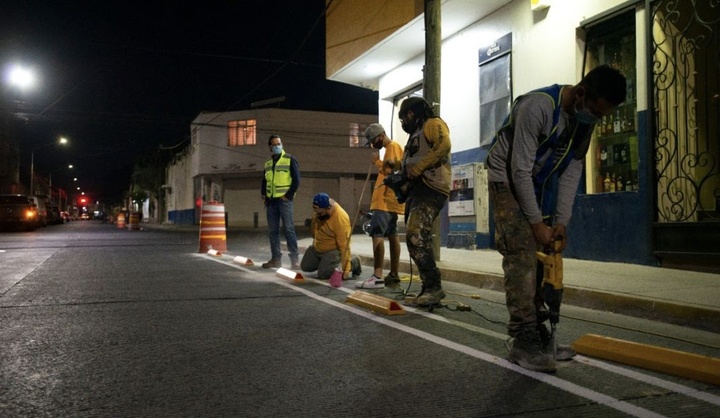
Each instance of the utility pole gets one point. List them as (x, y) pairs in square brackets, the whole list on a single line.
[(431, 81)]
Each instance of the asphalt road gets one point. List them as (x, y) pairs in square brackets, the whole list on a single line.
[(96, 321)]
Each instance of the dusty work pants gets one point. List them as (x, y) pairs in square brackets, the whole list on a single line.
[(515, 241), (421, 208)]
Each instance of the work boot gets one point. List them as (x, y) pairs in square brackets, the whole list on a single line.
[(273, 263), (355, 266), (391, 280), (430, 297), (527, 352), (562, 352)]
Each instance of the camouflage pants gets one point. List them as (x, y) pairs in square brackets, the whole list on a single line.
[(515, 241), (421, 209)]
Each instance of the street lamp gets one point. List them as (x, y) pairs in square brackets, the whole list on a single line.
[(62, 141), (20, 77)]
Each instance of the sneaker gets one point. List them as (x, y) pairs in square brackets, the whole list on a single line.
[(562, 352), (430, 297), (295, 266), (374, 282), (527, 352), (273, 263), (391, 280)]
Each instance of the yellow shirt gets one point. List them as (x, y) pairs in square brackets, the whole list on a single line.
[(383, 198), (333, 234)]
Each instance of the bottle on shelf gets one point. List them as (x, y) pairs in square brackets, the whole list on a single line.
[(619, 185), (616, 122), (603, 157), (612, 183), (606, 183)]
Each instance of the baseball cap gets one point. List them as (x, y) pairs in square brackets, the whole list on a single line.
[(372, 131), (321, 200)]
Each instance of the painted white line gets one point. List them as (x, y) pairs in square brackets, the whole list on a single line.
[(543, 377), (552, 380)]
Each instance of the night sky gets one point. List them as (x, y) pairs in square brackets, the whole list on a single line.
[(122, 79)]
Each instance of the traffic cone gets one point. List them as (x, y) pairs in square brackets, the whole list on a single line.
[(212, 228)]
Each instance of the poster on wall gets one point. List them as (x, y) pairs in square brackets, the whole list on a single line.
[(462, 202)]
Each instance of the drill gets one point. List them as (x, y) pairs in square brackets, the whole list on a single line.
[(552, 285)]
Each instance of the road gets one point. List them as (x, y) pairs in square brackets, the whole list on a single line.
[(96, 321)]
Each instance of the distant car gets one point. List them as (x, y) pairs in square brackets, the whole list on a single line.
[(41, 204), (65, 215), (18, 210), (54, 217), (84, 217)]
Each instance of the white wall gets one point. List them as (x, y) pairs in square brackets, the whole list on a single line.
[(545, 50)]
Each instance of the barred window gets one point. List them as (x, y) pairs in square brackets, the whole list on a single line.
[(242, 132)]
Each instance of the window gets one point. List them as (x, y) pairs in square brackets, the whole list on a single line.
[(242, 132), (495, 91), (612, 164)]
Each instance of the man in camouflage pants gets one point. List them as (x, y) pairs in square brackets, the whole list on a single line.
[(426, 163), (534, 166)]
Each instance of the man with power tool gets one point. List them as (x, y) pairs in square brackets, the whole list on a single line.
[(534, 166), (426, 167)]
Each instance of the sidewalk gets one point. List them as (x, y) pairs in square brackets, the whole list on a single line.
[(674, 296)]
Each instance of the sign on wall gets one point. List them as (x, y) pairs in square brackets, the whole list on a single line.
[(462, 202)]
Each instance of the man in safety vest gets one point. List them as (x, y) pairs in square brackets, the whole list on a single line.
[(281, 181), (534, 166)]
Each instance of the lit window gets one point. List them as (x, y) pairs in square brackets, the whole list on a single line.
[(242, 132)]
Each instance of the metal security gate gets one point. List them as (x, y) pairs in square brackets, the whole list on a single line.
[(685, 120)]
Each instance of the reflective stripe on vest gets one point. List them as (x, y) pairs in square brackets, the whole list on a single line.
[(277, 176)]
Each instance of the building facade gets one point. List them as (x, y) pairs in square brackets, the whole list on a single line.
[(224, 162), (652, 183)]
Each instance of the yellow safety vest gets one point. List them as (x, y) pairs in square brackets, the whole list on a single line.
[(277, 177)]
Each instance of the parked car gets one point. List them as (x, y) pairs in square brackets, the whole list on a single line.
[(54, 217), (84, 217), (41, 204), (17, 210), (66, 216)]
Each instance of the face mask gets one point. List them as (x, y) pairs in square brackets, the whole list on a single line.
[(585, 116), (408, 124), (277, 149)]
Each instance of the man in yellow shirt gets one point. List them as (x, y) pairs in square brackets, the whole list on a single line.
[(385, 210), (331, 241)]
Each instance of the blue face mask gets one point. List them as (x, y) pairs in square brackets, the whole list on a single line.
[(277, 149), (585, 116)]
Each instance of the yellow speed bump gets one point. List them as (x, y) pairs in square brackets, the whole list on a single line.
[(376, 303), (673, 362)]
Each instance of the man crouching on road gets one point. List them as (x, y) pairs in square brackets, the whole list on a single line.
[(331, 230)]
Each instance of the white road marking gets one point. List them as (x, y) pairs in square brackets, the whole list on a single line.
[(543, 377)]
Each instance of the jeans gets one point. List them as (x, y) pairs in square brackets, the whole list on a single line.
[(276, 210)]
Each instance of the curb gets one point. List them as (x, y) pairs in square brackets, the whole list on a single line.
[(673, 313)]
